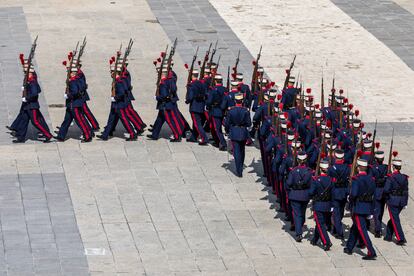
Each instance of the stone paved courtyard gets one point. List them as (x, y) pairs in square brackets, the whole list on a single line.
[(161, 208)]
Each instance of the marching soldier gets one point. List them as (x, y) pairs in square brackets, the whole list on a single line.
[(74, 103), (396, 189), (119, 104), (167, 110), (30, 109), (245, 89), (362, 207), (196, 97), (379, 172), (236, 124), (339, 171), (85, 97), (298, 184), (321, 193), (289, 94), (214, 102)]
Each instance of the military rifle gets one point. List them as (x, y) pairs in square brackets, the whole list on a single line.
[(81, 50), (71, 57), (29, 64), (203, 66), (318, 162), (333, 101), (355, 159), (126, 54), (288, 73), (373, 143), (390, 153), (237, 64), (116, 62), (228, 78), (213, 53), (163, 57), (190, 72), (254, 75)]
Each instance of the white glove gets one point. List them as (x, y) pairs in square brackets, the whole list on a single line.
[(155, 97), (24, 99), (370, 217), (332, 209), (22, 88), (65, 96), (405, 207), (113, 99)]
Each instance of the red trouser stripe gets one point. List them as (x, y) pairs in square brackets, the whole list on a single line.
[(361, 233), (39, 126), (176, 122), (170, 124), (196, 126), (135, 114), (79, 119), (397, 235), (134, 122), (126, 123), (89, 115), (319, 228)]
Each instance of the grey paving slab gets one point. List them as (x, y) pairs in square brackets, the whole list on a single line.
[(34, 240), (387, 21), (15, 39)]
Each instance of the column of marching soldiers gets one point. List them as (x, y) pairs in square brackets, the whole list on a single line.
[(310, 151)]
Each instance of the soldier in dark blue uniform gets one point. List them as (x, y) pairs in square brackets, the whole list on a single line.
[(74, 103), (339, 172), (362, 207), (289, 94), (298, 185), (214, 102), (379, 172), (118, 112), (83, 86), (196, 97), (30, 109), (167, 109), (321, 193), (236, 123), (396, 190), (245, 89)]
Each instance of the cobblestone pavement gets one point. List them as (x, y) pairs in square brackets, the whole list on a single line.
[(160, 208)]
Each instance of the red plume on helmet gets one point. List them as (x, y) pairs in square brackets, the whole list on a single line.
[(234, 69), (395, 153), (233, 75), (199, 62), (158, 59), (377, 145), (350, 106), (154, 62), (69, 57), (356, 112), (308, 90), (341, 91), (329, 123), (369, 134), (279, 97), (340, 144), (359, 153), (71, 54), (111, 61), (317, 106), (323, 155), (362, 125), (272, 83), (206, 58), (21, 57), (64, 63), (186, 66), (281, 106), (287, 71), (113, 58), (333, 90), (162, 54), (289, 124), (254, 63), (345, 100), (286, 114)]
